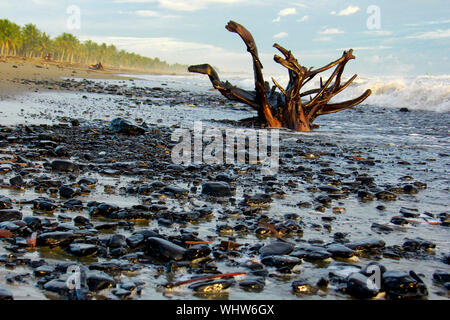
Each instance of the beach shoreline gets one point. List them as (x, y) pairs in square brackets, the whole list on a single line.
[(15, 69)]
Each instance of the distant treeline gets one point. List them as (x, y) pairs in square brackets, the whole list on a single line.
[(29, 41)]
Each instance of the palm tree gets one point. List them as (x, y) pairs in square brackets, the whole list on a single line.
[(45, 44), (9, 36), (72, 45), (31, 37), (91, 49), (60, 47)]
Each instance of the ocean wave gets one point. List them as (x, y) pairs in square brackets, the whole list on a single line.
[(424, 92), (430, 93)]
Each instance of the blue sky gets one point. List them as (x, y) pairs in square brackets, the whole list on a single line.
[(388, 37)]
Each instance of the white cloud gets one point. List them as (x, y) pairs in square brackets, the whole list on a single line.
[(150, 14), (147, 13), (322, 39), (347, 11), (287, 12), (427, 23), (331, 31), (366, 48), (379, 32), (43, 2), (183, 5), (298, 4), (438, 34), (281, 35), (375, 59), (302, 19), (134, 1)]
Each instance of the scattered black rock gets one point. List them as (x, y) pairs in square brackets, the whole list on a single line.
[(5, 294), (64, 166), (276, 248), (97, 280), (401, 285), (303, 287), (216, 189), (165, 249), (10, 215), (123, 126), (360, 286)]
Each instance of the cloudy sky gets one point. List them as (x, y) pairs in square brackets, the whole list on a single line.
[(404, 37)]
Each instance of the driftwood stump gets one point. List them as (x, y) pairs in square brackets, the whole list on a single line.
[(285, 108)]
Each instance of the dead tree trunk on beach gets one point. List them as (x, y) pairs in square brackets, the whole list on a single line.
[(286, 108)]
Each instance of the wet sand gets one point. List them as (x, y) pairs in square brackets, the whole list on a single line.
[(14, 69)]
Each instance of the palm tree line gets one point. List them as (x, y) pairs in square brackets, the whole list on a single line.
[(29, 41)]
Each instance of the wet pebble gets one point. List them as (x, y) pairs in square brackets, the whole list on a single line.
[(418, 244), (197, 251), (276, 248), (213, 286), (257, 200), (164, 249), (386, 196), (366, 244), (340, 251), (57, 238), (311, 252), (117, 241), (64, 166), (253, 284), (66, 192), (401, 285), (442, 276), (16, 181), (97, 280), (45, 270), (58, 286), (303, 287), (83, 249), (281, 261), (10, 215), (216, 189), (5, 294), (360, 286), (120, 125), (5, 203), (175, 191), (44, 205), (409, 212), (135, 240)]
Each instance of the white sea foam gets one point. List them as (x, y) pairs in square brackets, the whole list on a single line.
[(421, 92)]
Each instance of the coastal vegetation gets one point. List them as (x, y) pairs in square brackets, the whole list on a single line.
[(28, 41)]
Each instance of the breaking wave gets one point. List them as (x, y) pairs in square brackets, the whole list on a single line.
[(430, 93)]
